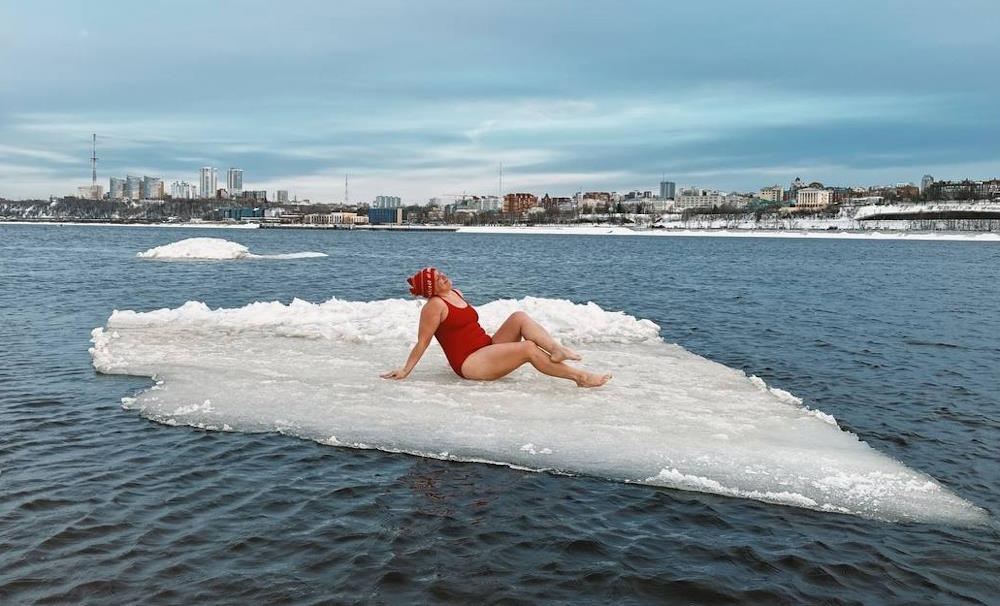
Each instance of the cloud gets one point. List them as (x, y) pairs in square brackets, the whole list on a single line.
[(37, 154), (398, 93)]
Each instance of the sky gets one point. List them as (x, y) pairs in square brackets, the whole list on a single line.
[(427, 99)]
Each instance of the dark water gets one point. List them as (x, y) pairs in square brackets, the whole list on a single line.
[(900, 341)]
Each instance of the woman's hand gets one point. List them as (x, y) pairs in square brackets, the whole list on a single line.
[(430, 319)]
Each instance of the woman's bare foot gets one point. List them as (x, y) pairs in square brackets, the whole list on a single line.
[(561, 354), (589, 379)]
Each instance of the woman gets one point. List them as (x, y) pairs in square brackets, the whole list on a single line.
[(471, 352)]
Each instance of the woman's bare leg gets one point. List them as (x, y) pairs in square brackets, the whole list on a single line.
[(500, 359), (522, 326)]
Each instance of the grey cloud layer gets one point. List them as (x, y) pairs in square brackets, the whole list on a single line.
[(406, 93)]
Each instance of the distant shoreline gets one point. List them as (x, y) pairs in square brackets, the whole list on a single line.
[(590, 230), (615, 230), (205, 225)]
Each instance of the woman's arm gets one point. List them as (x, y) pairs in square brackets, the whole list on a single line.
[(430, 319)]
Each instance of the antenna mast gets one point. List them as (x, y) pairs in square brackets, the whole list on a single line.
[(93, 163), (347, 200)]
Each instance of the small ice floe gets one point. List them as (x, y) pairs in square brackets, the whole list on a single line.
[(213, 249)]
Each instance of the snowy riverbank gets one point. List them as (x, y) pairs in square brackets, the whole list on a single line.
[(198, 224), (843, 229), (735, 232)]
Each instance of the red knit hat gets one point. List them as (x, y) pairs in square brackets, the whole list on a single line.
[(422, 282)]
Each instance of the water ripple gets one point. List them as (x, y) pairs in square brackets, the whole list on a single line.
[(98, 505)]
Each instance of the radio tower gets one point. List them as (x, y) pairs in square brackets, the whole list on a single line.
[(347, 200), (93, 166)]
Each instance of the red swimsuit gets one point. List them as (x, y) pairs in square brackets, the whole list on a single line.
[(460, 334)]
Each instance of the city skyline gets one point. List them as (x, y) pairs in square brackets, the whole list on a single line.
[(422, 101)]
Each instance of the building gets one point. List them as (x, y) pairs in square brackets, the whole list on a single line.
[(708, 199), (926, 182), (990, 188), (475, 204), (387, 202), (152, 188), (490, 203), (772, 194), (598, 196), (208, 181), (594, 200), (668, 189), (90, 192), (385, 216), (234, 181), (555, 204), (334, 218), (239, 214), (116, 188), (637, 195), (519, 202), (964, 190), (259, 195), (907, 191), (343, 218), (812, 197), (133, 187), (182, 190), (282, 196), (865, 200)]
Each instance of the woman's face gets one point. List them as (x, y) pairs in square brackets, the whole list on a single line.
[(442, 283)]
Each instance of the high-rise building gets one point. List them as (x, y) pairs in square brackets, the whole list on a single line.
[(667, 190), (208, 181), (182, 190), (133, 187), (926, 182), (234, 181), (116, 188), (282, 196), (152, 188)]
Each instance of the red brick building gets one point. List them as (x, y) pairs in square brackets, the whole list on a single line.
[(518, 203)]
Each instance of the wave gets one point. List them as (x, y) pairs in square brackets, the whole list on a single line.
[(213, 249), (669, 418)]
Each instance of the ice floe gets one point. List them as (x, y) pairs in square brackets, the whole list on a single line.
[(669, 418), (213, 249)]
